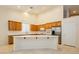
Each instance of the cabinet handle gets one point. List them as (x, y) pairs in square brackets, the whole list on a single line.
[(47, 37), (24, 37)]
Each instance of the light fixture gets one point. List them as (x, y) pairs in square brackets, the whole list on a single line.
[(18, 6), (42, 29), (74, 11), (26, 15)]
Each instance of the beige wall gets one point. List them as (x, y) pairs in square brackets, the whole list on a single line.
[(3, 27)]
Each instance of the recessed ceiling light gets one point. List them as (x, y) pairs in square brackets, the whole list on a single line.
[(74, 11), (18, 6), (26, 14), (42, 28)]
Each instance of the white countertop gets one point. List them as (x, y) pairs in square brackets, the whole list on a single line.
[(16, 33), (37, 36)]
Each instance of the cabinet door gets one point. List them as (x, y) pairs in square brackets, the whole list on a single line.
[(19, 26), (58, 23), (14, 26), (9, 25)]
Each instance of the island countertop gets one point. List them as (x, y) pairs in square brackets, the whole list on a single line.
[(35, 35)]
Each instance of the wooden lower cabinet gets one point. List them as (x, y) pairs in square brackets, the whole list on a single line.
[(10, 39)]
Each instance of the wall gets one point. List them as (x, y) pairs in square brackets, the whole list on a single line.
[(3, 27), (77, 32), (66, 11)]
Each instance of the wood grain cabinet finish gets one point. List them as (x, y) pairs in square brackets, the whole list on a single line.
[(34, 27), (10, 25), (46, 26), (19, 26), (14, 26), (10, 39)]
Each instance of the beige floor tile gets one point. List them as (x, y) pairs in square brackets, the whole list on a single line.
[(6, 49), (61, 50)]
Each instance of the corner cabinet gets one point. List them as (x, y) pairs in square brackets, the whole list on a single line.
[(14, 26)]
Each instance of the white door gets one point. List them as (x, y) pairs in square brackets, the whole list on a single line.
[(68, 33)]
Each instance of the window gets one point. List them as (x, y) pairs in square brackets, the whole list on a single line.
[(25, 27)]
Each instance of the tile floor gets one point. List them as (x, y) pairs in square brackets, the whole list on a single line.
[(8, 49)]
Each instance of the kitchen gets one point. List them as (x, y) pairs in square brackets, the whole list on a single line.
[(42, 31), (29, 29)]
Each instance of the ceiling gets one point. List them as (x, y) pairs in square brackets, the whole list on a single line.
[(73, 9), (32, 9)]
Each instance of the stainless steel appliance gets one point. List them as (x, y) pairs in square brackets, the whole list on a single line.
[(57, 31)]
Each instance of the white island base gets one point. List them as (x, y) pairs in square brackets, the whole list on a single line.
[(35, 42)]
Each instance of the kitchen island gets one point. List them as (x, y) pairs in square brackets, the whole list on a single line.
[(35, 42)]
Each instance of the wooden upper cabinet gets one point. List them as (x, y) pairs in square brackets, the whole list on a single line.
[(14, 26), (18, 26), (8, 25), (58, 23), (46, 26), (35, 27), (11, 25)]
